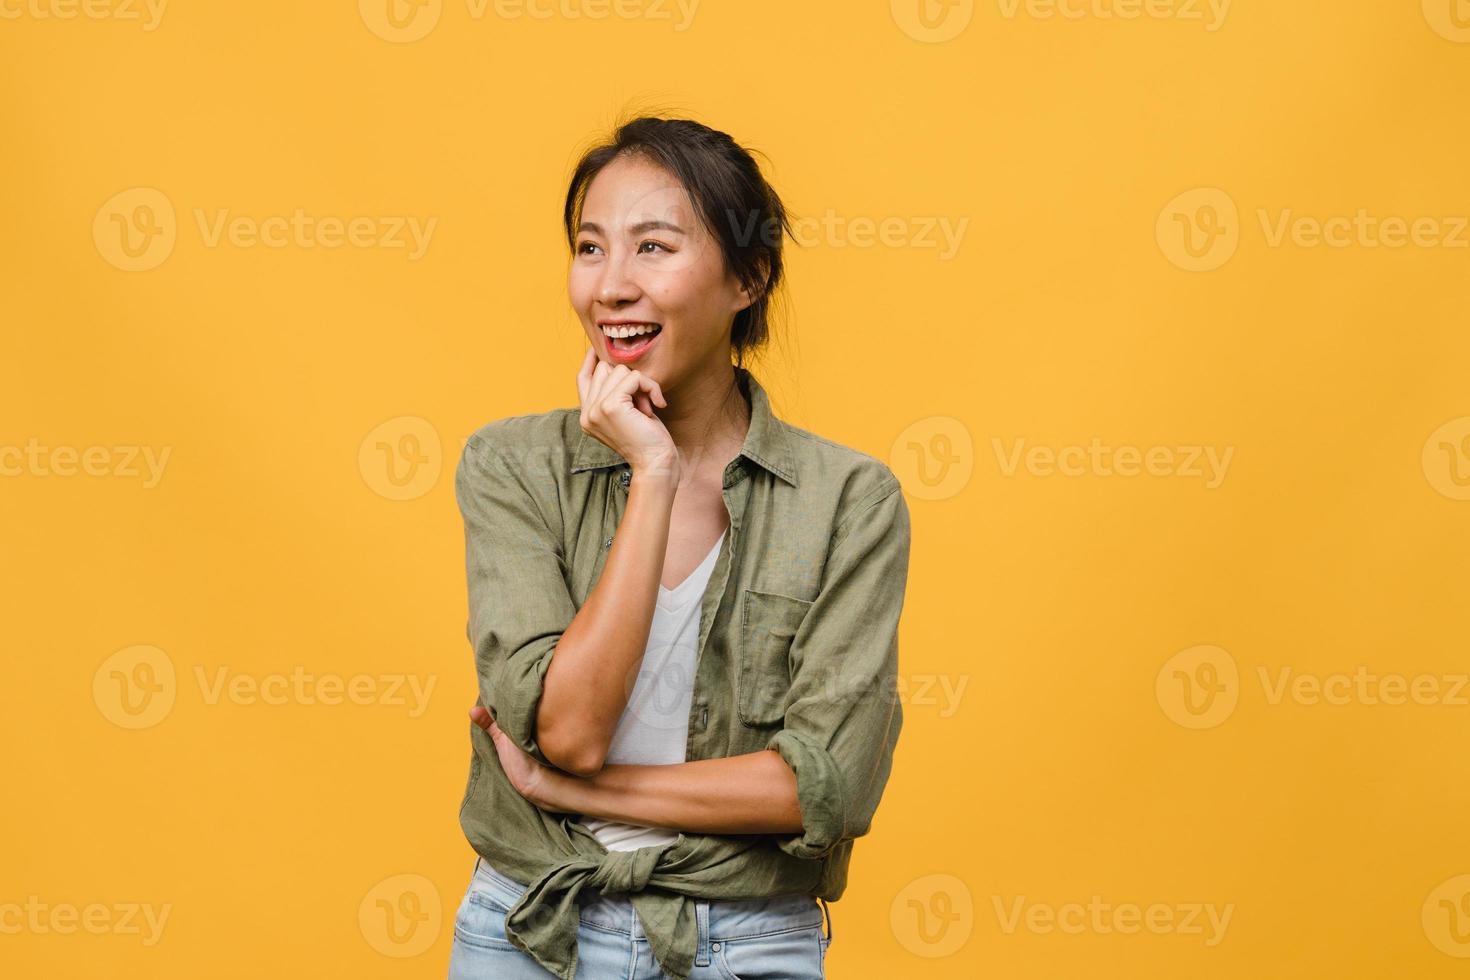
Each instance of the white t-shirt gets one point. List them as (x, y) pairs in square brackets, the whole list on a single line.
[(654, 727)]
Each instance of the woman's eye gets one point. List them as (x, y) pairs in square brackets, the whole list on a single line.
[(584, 247)]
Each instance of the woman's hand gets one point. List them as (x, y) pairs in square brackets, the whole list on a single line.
[(530, 778), (617, 410)]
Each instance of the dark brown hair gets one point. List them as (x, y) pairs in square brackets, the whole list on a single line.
[(741, 210)]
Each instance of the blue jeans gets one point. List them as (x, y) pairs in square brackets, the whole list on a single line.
[(762, 939)]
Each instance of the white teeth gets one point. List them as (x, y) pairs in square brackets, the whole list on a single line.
[(629, 331)]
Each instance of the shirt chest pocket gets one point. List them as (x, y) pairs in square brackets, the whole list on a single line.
[(768, 624)]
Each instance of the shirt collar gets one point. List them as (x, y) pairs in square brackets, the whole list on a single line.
[(767, 443)]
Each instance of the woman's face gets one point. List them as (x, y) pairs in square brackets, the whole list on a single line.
[(643, 258)]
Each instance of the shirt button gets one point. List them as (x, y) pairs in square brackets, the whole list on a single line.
[(624, 477), (607, 543)]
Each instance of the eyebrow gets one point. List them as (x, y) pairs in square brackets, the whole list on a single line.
[(638, 229)]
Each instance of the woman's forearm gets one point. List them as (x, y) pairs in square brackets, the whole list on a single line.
[(597, 658), (753, 793)]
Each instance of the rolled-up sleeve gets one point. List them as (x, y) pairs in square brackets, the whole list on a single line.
[(519, 603), (843, 715)]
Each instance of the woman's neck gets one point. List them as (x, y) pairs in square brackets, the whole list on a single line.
[(708, 418)]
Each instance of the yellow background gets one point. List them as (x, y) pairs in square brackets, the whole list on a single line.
[(1336, 538)]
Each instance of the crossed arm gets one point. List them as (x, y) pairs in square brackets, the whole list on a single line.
[(754, 793), (557, 690), (584, 691)]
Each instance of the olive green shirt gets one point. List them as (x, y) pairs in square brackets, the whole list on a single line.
[(798, 652)]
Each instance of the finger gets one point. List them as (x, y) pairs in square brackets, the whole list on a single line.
[(584, 374), (634, 382), (615, 385), (649, 389), (593, 368), (600, 372), (480, 716), (588, 388)]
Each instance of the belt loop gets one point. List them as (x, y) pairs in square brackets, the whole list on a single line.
[(701, 916), (826, 918)]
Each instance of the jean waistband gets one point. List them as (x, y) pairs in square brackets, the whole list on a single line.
[(718, 919)]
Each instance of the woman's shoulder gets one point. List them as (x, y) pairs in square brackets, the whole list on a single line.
[(824, 465), (543, 426), (529, 438)]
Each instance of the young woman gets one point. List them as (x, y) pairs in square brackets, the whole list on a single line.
[(683, 610)]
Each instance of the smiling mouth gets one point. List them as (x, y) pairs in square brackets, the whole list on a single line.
[(631, 339)]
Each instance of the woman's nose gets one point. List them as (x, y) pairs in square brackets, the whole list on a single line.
[(618, 284)]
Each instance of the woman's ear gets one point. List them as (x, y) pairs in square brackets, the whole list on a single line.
[(744, 297), (746, 294)]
